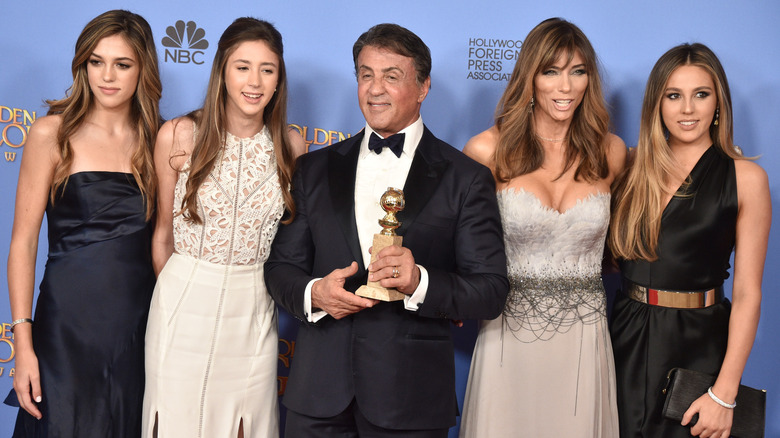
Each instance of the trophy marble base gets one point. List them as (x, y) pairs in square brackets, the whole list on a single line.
[(373, 289)]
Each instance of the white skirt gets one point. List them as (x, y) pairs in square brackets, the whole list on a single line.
[(211, 352)]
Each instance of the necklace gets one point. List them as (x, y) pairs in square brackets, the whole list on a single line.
[(553, 140)]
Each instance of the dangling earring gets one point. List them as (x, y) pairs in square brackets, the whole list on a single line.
[(717, 113), (531, 108)]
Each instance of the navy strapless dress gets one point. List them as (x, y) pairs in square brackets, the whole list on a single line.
[(90, 318)]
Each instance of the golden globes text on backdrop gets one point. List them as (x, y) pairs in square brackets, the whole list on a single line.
[(7, 350), (14, 126)]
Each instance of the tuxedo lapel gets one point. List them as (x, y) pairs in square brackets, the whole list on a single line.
[(342, 166), (428, 166)]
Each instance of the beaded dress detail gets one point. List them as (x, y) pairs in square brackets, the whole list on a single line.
[(544, 368), (554, 264)]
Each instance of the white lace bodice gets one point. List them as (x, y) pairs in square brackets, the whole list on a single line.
[(554, 263), (240, 203)]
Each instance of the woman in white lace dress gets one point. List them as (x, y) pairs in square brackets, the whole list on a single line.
[(224, 173), (545, 368)]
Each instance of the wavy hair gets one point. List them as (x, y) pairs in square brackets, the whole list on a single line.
[(639, 193), (144, 109), (519, 150), (211, 119)]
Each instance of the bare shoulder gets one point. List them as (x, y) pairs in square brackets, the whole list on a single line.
[(296, 142), (615, 145), (482, 147), (750, 177), (178, 135), (175, 142), (42, 138), (753, 195), (46, 127), (616, 154), (183, 131)]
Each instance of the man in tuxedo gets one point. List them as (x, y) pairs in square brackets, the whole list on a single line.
[(364, 367)]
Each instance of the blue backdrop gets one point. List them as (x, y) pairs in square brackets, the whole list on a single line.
[(473, 47)]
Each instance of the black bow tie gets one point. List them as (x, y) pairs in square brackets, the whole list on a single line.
[(394, 142)]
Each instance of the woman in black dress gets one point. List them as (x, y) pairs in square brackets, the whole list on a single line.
[(88, 165), (688, 200)]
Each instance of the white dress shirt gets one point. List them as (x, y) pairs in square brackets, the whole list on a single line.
[(374, 174)]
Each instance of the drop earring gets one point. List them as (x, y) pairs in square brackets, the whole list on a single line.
[(531, 107), (717, 114)]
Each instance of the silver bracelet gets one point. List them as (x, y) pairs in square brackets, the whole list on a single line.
[(719, 401), (19, 321)]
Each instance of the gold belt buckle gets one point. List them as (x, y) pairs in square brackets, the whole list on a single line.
[(673, 299)]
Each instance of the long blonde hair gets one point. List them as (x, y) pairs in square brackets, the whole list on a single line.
[(144, 110), (519, 150), (639, 193), (211, 120)]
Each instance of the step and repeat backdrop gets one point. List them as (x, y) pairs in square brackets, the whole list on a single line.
[(474, 47)]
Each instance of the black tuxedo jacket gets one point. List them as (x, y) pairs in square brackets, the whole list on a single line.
[(397, 364)]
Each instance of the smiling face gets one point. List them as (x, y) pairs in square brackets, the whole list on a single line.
[(251, 76), (112, 71), (688, 106), (388, 92), (559, 89)]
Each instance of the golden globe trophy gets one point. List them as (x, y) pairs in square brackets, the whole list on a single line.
[(392, 201)]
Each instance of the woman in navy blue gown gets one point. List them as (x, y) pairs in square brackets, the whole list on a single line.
[(88, 165)]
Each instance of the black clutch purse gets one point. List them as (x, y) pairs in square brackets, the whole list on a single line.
[(683, 387)]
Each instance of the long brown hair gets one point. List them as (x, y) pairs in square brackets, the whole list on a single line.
[(519, 150), (639, 194), (211, 120), (144, 110)]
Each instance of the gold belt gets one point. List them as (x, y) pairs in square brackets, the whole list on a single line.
[(674, 299)]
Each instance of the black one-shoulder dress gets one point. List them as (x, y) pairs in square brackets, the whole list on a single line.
[(698, 230), (90, 317)]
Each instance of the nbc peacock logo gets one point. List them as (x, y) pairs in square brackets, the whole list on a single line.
[(185, 43)]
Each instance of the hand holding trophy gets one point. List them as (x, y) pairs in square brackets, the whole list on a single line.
[(392, 201)]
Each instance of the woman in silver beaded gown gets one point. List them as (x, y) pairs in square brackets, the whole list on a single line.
[(224, 174), (545, 368)]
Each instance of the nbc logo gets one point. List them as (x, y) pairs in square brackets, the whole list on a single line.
[(186, 42)]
